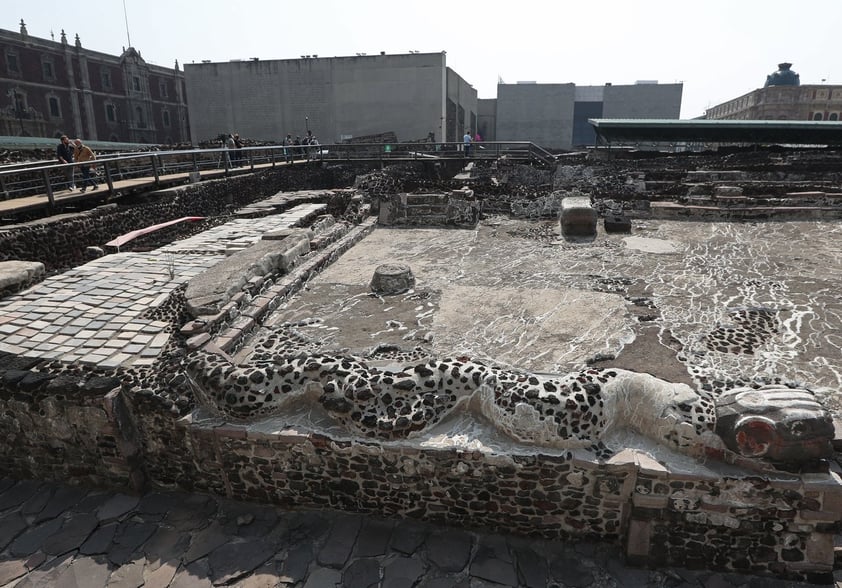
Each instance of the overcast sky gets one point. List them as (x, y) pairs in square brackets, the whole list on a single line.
[(719, 49)]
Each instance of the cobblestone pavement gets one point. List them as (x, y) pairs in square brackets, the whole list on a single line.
[(67, 537), (97, 313)]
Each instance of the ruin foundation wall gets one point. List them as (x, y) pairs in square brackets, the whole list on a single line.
[(781, 525)]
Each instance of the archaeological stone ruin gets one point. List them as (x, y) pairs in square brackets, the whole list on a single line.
[(637, 348)]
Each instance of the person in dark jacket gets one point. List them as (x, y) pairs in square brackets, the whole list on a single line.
[(237, 158), (64, 152)]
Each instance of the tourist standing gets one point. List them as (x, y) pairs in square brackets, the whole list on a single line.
[(287, 143), (84, 153), (314, 145), (229, 146), (238, 154), (64, 152), (466, 140)]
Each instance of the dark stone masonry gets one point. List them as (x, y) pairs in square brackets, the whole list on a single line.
[(140, 426)]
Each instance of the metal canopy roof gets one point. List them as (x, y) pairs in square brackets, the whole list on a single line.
[(618, 130)]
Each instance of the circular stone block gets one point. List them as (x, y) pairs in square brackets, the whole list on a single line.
[(392, 278)]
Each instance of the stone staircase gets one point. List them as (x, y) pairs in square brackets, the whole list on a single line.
[(735, 195), (736, 206)]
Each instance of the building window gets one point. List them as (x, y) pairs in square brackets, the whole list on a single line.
[(20, 104), (833, 116), (138, 112), (106, 79), (136, 83), (166, 116), (163, 89), (110, 113), (55, 107), (817, 116), (12, 64), (47, 70)]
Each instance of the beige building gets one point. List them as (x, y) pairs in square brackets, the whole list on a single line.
[(783, 98)]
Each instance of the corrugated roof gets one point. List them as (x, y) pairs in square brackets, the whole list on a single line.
[(719, 131)]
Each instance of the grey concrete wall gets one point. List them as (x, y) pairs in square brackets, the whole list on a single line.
[(462, 107), (339, 96), (642, 101), (541, 113), (487, 118)]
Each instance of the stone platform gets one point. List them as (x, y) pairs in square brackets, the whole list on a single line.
[(730, 304)]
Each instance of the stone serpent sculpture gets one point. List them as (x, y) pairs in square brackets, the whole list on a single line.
[(575, 410)]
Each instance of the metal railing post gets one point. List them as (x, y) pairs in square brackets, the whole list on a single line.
[(108, 179), (155, 168), (49, 187)]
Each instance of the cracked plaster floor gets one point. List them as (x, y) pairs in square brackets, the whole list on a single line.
[(515, 293)]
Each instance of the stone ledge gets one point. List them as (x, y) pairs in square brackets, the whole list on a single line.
[(208, 292), (17, 275)]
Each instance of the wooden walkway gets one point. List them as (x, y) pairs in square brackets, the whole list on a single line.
[(154, 174), (67, 198)]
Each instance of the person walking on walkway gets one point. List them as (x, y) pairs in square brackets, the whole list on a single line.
[(467, 142), (84, 153), (64, 152)]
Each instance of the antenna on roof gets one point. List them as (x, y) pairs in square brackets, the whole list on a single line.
[(126, 16)]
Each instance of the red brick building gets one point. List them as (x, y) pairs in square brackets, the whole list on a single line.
[(49, 88)]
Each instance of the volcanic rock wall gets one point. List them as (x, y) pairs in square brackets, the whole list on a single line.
[(60, 241), (82, 429)]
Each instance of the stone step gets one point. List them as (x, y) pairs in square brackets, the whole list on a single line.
[(673, 210)]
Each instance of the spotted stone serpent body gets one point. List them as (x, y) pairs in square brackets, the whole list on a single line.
[(562, 411)]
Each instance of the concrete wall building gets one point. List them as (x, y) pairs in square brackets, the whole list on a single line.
[(49, 88), (556, 116), (783, 98), (541, 113), (337, 98)]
